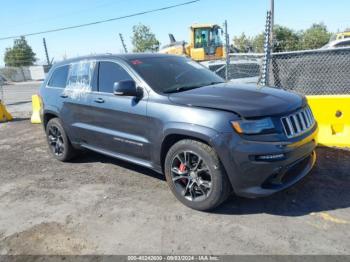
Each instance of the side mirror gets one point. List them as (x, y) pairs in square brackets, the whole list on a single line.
[(125, 88)]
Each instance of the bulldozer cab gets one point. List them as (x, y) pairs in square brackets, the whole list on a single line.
[(205, 37), (206, 42)]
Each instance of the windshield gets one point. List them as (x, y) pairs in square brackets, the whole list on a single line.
[(201, 37), (204, 37), (215, 37), (173, 74)]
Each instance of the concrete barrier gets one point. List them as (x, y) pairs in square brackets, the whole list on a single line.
[(36, 105), (332, 112), (24, 73), (4, 114)]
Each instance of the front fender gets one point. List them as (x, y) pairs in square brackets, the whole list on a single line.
[(186, 130)]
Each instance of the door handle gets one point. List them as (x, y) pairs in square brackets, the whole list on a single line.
[(63, 96), (99, 100)]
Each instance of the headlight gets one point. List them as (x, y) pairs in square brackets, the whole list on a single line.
[(252, 126)]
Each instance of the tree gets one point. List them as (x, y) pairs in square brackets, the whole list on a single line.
[(285, 39), (143, 39), (315, 37), (21, 54), (242, 43), (258, 43)]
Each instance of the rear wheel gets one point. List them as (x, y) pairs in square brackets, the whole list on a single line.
[(195, 175), (59, 144)]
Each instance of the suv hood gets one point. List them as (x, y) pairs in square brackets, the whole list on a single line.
[(245, 100)]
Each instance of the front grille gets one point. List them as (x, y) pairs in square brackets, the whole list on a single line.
[(298, 123)]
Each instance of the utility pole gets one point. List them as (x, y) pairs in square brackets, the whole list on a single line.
[(46, 53), (227, 50), (272, 9), (122, 40)]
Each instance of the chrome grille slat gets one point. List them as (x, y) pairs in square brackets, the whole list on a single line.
[(295, 118), (306, 120), (301, 120), (290, 126), (308, 114), (298, 123), (311, 115)]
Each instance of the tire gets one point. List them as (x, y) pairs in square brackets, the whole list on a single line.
[(205, 186), (59, 144)]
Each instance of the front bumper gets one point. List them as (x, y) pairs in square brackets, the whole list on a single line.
[(256, 178)]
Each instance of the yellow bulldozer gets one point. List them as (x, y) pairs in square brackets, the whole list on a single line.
[(340, 36), (204, 44)]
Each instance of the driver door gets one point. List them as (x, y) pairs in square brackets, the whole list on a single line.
[(118, 123)]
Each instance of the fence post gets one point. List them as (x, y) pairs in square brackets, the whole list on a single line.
[(227, 51), (267, 52), (272, 9), (4, 115), (1, 91)]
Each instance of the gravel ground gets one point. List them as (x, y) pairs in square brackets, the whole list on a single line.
[(99, 205)]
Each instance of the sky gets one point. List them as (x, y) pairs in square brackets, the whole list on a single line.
[(22, 16)]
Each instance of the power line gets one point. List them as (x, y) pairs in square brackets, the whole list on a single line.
[(52, 17), (101, 21)]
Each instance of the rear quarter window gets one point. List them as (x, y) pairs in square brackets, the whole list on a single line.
[(59, 77)]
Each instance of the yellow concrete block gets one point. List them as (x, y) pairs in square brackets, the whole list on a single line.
[(36, 105), (332, 112), (4, 114)]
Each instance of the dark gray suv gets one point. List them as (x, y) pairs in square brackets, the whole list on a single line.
[(170, 114)]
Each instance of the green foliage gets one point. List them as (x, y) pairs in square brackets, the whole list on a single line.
[(258, 43), (242, 43), (21, 54), (315, 37), (286, 39), (143, 39)]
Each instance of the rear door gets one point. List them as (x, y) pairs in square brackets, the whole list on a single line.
[(119, 123), (75, 112)]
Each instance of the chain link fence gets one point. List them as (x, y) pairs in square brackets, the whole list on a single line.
[(243, 67), (312, 72)]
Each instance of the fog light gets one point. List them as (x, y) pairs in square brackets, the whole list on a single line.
[(270, 157)]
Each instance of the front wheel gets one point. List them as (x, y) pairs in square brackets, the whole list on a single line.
[(195, 175)]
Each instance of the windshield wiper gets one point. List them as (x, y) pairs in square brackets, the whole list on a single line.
[(182, 88), (214, 83), (189, 87)]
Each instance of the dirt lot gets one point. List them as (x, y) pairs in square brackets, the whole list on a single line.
[(98, 205)]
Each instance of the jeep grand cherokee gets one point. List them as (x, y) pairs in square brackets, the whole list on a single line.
[(209, 138)]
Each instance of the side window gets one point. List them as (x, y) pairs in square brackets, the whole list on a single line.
[(108, 74), (59, 77), (81, 75), (343, 44)]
